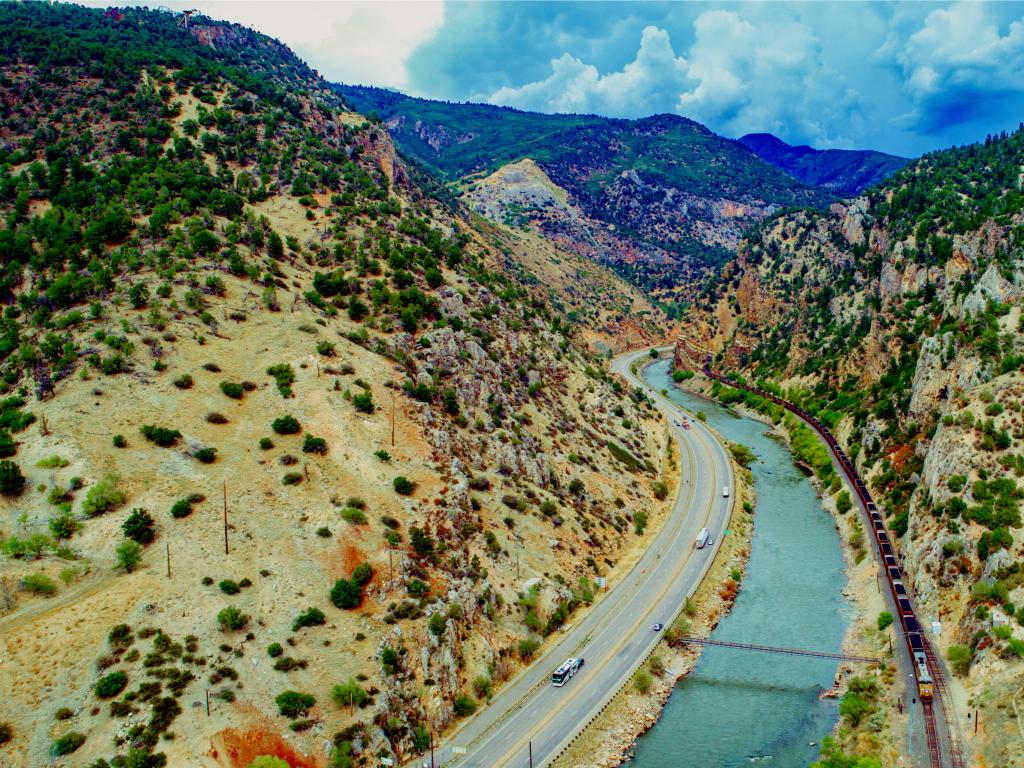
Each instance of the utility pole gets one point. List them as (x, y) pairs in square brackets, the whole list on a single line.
[(167, 544), (392, 417), (531, 754), (227, 550), (391, 568), (431, 749)]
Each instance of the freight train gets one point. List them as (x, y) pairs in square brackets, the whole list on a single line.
[(916, 641)]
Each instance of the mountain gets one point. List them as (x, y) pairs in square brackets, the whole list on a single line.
[(896, 319), (844, 171), (281, 420), (668, 196)]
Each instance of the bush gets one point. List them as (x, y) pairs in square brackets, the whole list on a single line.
[(103, 497), (206, 455), (266, 443), (184, 382), (181, 508), (527, 647), (312, 617), (111, 685), (843, 503), (315, 445), (959, 659), (160, 436), (286, 425), (482, 686), (229, 587), (284, 376), (362, 574), (291, 478), (642, 681), (232, 389), (12, 482), (268, 761), (39, 584), (63, 526), (349, 694), (128, 554), (68, 743), (464, 706), (854, 707), (140, 526), (6, 733), (354, 516), (274, 650), (346, 594), (119, 441), (403, 486), (293, 704), (660, 490), (231, 619), (363, 402), (884, 620)]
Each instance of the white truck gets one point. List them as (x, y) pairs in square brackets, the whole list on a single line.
[(725, 491), (703, 538)]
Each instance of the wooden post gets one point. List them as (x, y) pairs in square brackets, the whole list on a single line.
[(227, 550), (167, 544), (207, 702), (531, 754), (392, 417), (391, 569), (431, 749)]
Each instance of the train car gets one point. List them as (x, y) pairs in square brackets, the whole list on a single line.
[(879, 525), (899, 588), (883, 537), (925, 686), (911, 627), (894, 573), (906, 609)]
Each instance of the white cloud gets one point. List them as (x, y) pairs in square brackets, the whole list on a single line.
[(957, 64), (358, 41), (738, 76)]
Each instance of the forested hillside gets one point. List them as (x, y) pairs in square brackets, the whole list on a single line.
[(280, 422), (897, 319), (664, 190), (845, 171)]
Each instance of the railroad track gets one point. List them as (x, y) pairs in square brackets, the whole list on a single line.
[(940, 742)]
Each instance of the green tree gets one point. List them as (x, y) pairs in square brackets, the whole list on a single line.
[(843, 503), (140, 526), (884, 620), (128, 554), (12, 482), (854, 707), (346, 594), (959, 659), (350, 693), (267, 761)]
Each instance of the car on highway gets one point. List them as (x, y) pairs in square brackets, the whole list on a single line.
[(658, 627)]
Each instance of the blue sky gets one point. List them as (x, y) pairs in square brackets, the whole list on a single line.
[(899, 77)]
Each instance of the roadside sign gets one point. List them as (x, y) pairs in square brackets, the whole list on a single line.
[(601, 581), (386, 761), (458, 750)]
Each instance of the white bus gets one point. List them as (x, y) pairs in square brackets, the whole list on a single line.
[(569, 668), (703, 538)]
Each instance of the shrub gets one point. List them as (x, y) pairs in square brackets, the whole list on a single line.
[(527, 647), (68, 743), (403, 486), (323, 532), (119, 441), (293, 704), (184, 381), (39, 584), (660, 490), (6, 733), (346, 594), (206, 455), (229, 587), (843, 503), (291, 478), (274, 650), (312, 617), (266, 443), (139, 526), (103, 497), (214, 417), (350, 694), (315, 445), (325, 348), (354, 516), (362, 574), (482, 686), (111, 685), (160, 436), (128, 554), (231, 619), (464, 706), (642, 681), (959, 659), (64, 713), (181, 508), (884, 620), (363, 402), (232, 389), (854, 707), (52, 462), (12, 482), (417, 588), (286, 425), (268, 761), (437, 624), (284, 376), (63, 526)]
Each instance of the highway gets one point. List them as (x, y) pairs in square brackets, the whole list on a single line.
[(616, 636)]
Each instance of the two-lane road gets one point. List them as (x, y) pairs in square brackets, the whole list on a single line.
[(616, 635)]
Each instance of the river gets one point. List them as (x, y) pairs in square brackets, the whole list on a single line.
[(741, 708)]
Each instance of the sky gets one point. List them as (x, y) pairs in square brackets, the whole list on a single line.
[(898, 77)]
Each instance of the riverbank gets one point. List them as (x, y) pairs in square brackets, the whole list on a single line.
[(881, 733)]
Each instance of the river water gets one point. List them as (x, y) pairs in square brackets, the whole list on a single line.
[(742, 708)]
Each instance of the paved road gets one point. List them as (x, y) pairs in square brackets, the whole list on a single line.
[(616, 636)]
